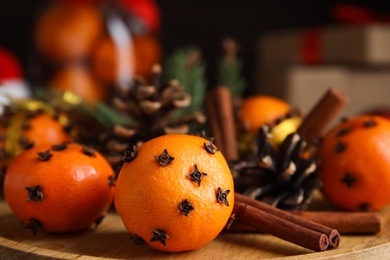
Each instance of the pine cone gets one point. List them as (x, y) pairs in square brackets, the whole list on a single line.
[(150, 108), (280, 176)]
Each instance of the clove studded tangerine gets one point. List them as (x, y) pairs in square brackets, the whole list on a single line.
[(355, 164), (59, 188), (174, 193)]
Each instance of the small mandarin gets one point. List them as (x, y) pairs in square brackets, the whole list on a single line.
[(355, 164), (260, 110), (174, 193), (59, 188)]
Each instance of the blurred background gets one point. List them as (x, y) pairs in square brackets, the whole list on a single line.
[(262, 29)]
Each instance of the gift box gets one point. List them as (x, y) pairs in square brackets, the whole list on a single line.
[(302, 86), (366, 44)]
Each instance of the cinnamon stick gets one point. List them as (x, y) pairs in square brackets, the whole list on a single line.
[(280, 227), (332, 234), (213, 120), (343, 222), (321, 115), (346, 222), (221, 116)]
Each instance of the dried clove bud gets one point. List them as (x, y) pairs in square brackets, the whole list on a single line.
[(59, 147), (340, 147), (89, 151), (27, 146), (210, 147), (164, 158), (159, 235), (34, 225), (370, 123), (44, 156), (130, 154), (196, 175), (34, 193), (185, 207), (348, 180), (222, 196), (344, 131), (139, 241), (25, 143)]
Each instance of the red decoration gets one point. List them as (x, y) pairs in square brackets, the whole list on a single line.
[(311, 46), (12, 83), (78, 2), (312, 39), (10, 67), (146, 10), (356, 15)]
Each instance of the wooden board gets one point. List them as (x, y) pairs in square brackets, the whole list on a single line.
[(111, 241)]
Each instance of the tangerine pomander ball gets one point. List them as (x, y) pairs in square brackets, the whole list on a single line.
[(355, 164), (59, 188), (263, 110), (174, 193)]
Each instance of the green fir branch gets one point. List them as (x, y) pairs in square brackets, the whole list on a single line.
[(102, 113), (106, 115), (229, 75), (230, 69), (186, 66)]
